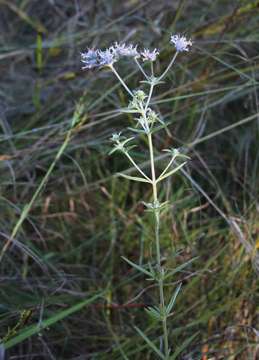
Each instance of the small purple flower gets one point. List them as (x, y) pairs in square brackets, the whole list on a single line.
[(90, 59), (148, 55), (121, 49), (98, 58), (107, 57), (180, 43)]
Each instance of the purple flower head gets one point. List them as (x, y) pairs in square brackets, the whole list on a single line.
[(121, 49), (148, 55), (90, 59), (98, 58), (180, 43), (107, 57)]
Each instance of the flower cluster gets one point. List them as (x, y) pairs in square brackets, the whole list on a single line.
[(121, 49), (100, 58)]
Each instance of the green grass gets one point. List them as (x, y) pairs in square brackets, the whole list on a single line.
[(67, 219)]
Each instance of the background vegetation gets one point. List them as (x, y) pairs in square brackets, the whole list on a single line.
[(66, 219)]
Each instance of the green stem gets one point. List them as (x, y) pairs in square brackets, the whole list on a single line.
[(149, 96), (121, 80), (141, 68), (161, 287), (158, 251), (153, 172), (168, 67)]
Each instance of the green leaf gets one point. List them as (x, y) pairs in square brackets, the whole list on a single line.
[(150, 343), (138, 267), (134, 178), (136, 130), (35, 329), (113, 150), (152, 272), (171, 172), (124, 142), (172, 301), (154, 313)]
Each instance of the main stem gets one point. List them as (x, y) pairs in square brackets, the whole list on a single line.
[(158, 252)]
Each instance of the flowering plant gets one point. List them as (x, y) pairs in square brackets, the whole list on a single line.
[(147, 122)]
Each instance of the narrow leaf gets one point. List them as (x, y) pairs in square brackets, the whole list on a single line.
[(112, 150), (150, 343), (134, 178), (171, 172), (172, 301), (136, 130), (153, 313), (138, 267)]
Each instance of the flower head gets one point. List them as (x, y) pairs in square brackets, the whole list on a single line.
[(98, 58), (152, 116), (148, 55), (139, 95), (90, 59), (120, 143), (116, 137), (143, 122), (176, 153), (121, 49), (106, 57), (180, 43)]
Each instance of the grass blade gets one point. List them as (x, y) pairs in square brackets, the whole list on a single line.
[(34, 329)]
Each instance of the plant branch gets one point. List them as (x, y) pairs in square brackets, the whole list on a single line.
[(121, 80), (137, 167), (141, 68), (168, 67)]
